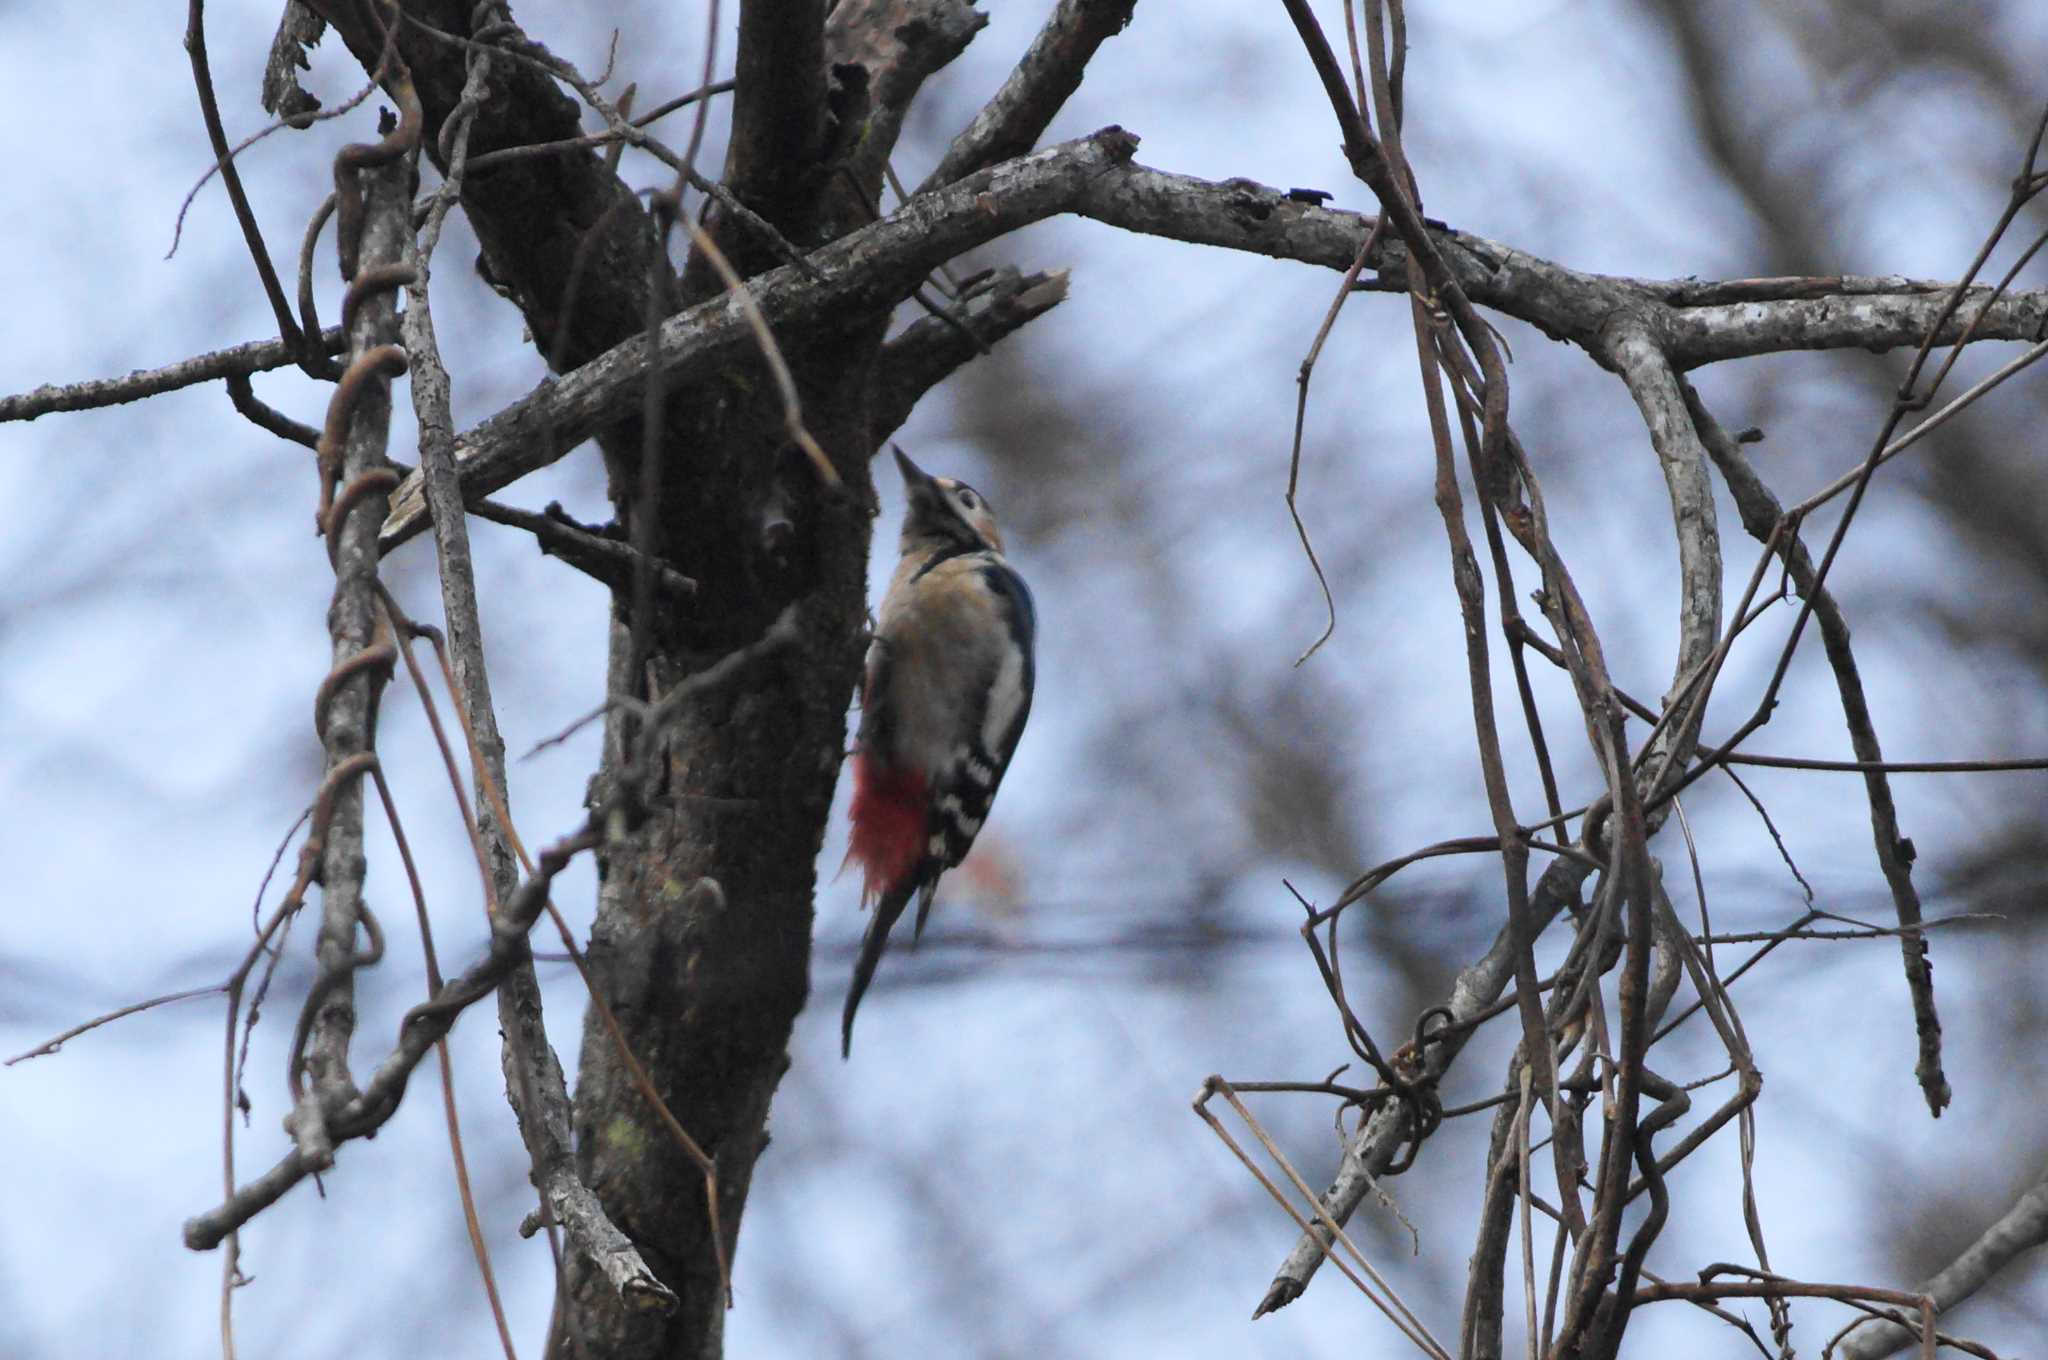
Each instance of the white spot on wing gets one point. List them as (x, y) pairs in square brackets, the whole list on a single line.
[(956, 812), (1005, 700)]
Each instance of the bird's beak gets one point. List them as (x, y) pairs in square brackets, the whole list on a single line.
[(915, 478), (922, 486)]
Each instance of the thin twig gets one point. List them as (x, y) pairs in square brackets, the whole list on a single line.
[(51, 1045), (1301, 381), (506, 155)]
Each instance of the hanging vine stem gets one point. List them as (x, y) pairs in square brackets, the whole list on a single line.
[(202, 79), (1301, 381)]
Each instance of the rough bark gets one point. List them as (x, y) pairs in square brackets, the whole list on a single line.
[(703, 937), (534, 217)]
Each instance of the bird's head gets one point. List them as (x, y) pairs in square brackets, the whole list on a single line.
[(944, 511)]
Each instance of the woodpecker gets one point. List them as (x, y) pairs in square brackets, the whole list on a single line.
[(943, 702)]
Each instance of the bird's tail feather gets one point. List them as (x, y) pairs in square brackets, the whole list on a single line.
[(888, 907), (924, 907)]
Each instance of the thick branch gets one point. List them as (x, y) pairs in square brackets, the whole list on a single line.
[(778, 104), (897, 44), (2022, 1228), (1698, 323), (866, 272), (878, 265), (563, 235), (1011, 123)]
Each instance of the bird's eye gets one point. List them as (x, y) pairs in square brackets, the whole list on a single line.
[(967, 501)]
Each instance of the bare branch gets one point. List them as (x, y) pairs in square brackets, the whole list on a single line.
[(925, 352), (532, 217), (1736, 320), (267, 417), (609, 139), (423, 1025), (351, 453), (2020, 1229), (1379, 1292), (298, 31), (895, 45), (535, 1087), (1378, 1144), (596, 554), (56, 1042), (1949, 410), (257, 356), (1660, 398), (869, 270), (1763, 517), (880, 264), (1011, 123)]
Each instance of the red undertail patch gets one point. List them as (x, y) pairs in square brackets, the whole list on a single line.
[(888, 817)]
